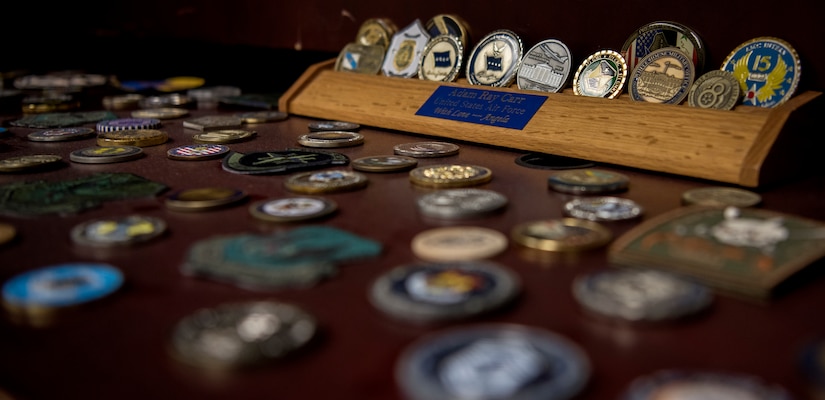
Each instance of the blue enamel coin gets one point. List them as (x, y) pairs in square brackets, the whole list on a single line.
[(62, 285)]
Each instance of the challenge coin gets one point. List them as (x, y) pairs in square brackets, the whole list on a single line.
[(132, 137), (161, 113), (493, 361), (61, 134), (384, 163), (460, 203), (29, 163), (197, 152), (426, 149), (721, 197), (323, 126), (238, 335), (428, 292), (224, 136), (281, 161), (441, 59), (209, 122), (661, 34), (376, 32), (685, 384), (259, 117), (545, 67), (450, 176), (602, 74), (458, 243), (7, 233), (61, 285), (108, 232), (603, 208), (662, 76), (495, 60), (330, 181), (640, 295), (566, 234), (716, 89), (767, 69), (404, 54), (123, 124), (203, 199), (449, 24), (331, 139), (588, 181), (360, 58), (105, 155), (291, 209), (167, 100)]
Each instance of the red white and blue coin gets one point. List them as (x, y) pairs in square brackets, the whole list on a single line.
[(123, 124), (767, 69), (62, 285), (61, 134), (496, 361), (197, 152)]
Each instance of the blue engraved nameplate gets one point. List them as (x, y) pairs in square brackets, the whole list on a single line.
[(480, 106)]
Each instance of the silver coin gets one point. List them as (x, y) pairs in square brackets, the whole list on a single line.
[(441, 59), (256, 117), (545, 67), (292, 209), (331, 139), (61, 134), (640, 295), (429, 292), (236, 335), (167, 100), (213, 122), (495, 60), (716, 89), (663, 76), (324, 126), (460, 203), (426, 149), (603, 208), (721, 197)]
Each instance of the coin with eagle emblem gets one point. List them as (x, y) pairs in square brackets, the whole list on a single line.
[(767, 69)]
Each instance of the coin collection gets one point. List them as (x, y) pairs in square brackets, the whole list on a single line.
[(661, 62)]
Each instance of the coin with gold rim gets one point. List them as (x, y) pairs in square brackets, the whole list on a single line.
[(133, 137), (203, 199), (224, 136), (325, 181), (566, 234), (450, 175), (602, 74)]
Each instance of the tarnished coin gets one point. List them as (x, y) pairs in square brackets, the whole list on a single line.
[(545, 67), (384, 163), (588, 181), (209, 122), (442, 291), (323, 126), (61, 134), (493, 361), (132, 137), (105, 155), (640, 295), (450, 24), (721, 197), (661, 34), (30, 162), (331, 139), (450, 175), (767, 69), (291, 209), (458, 243), (325, 182), (663, 76), (259, 117), (602, 74), (495, 60), (360, 58), (238, 335), (460, 203), (716, 89), (203, 199), (441, 59), (702, 384), (566, 234), (160, 113), (191, 152), (224, 136), (426, 149), (603, 208), (404, 54), (376, 32), (123, 231)]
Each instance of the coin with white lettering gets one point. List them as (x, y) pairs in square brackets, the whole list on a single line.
[(602, 74), (496, 59), (768, 71), (441, 59), (663, 76), (545, 67), (716, 89), (661, 34)]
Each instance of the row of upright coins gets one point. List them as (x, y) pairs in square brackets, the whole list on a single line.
[(661, 62)]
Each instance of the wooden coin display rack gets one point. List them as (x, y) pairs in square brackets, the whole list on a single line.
[(746, 146)]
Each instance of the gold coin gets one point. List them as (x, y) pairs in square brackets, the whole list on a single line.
[(7, 233), (325, 181), (376, 32), (201, 199), (566, 234), (224, 136), (450, 175), (22, 163), (132, 137)]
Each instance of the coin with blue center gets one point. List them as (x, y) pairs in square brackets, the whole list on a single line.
[(495, 60), (493, 361), (62, 285), (767, 69)]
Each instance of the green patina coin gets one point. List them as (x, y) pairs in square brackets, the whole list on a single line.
[(73, 196)]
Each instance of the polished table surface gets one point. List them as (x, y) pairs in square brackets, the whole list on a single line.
[(117, 348)]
